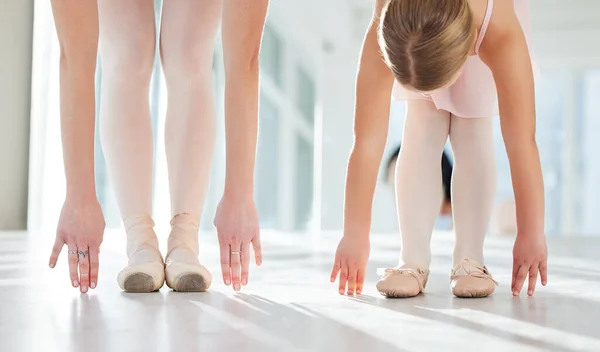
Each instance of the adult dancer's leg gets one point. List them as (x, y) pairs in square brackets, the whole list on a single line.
[(127, 47), (187, 43)]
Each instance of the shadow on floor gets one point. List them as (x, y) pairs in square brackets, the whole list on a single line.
[(281, 327), (530, 310)]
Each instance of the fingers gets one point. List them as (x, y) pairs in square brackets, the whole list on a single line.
[(515, 271), (343, 279), (84, 268), (94, 265), (336, 269), (360, 280), (58, 245), (73, 258), (520, 279), (544, 271), (257, 249), (351, 280), (225, 263), (235, 265), (350, 276), (245, 262), (533, 273)]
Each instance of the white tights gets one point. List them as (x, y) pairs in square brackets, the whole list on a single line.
[(127, 49), (418, 181)]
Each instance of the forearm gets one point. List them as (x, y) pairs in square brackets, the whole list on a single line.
[(241, 128), (243, 23), (77, 107), (528, 184), (361, 180), (77, 129), (371, 127), (78, 39)]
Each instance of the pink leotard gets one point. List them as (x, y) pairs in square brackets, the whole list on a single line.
[(474, 93)]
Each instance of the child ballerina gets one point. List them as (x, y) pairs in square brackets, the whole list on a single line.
[(457, 63)]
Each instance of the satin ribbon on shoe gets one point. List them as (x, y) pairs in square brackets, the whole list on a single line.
[(480, 272), (410, 271)]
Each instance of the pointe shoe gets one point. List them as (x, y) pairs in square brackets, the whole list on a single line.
[(183, 271), (145, 271), (402, 282), (471, 280)]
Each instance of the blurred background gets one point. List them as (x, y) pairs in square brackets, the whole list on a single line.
[(308, 67)]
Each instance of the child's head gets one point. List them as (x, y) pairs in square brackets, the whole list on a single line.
[(426, 42)]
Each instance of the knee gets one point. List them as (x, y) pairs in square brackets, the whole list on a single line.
[(189, 59), (480, 154), (78, 56), (129, 59), (476, 165), (247, 60), (423, 147)]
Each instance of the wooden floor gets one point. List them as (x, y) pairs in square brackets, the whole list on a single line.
[(290, 305)]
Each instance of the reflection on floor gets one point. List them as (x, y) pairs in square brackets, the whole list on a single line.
[(290, 305)]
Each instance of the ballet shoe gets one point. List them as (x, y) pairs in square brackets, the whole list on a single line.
[(145, 269), (405, 281), (183, 271), (471, 280)]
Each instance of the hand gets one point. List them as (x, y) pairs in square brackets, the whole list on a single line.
[(81, 228), (530, 255), (351, 260), (237, 227)]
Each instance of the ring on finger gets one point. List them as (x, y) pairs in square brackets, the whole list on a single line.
[(235, 253)]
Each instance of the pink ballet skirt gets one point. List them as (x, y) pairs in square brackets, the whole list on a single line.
[(474, 93)]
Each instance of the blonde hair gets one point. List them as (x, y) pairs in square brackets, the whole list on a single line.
[(426, 42)]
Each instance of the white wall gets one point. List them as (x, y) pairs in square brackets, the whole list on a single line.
[(590, 183), (16, 33), (565, 33), (325, 31)]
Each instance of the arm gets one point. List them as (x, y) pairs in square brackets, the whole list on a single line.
[(77, 97), (373, 93), (507, 55), (236, 219), (77, 133), (81, 224), (243, 23)]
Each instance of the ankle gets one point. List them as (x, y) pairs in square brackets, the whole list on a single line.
[(138, 221), (468, 266), (140, 232), (474, 259), (414, 265), (186, 221), (184, 232)]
